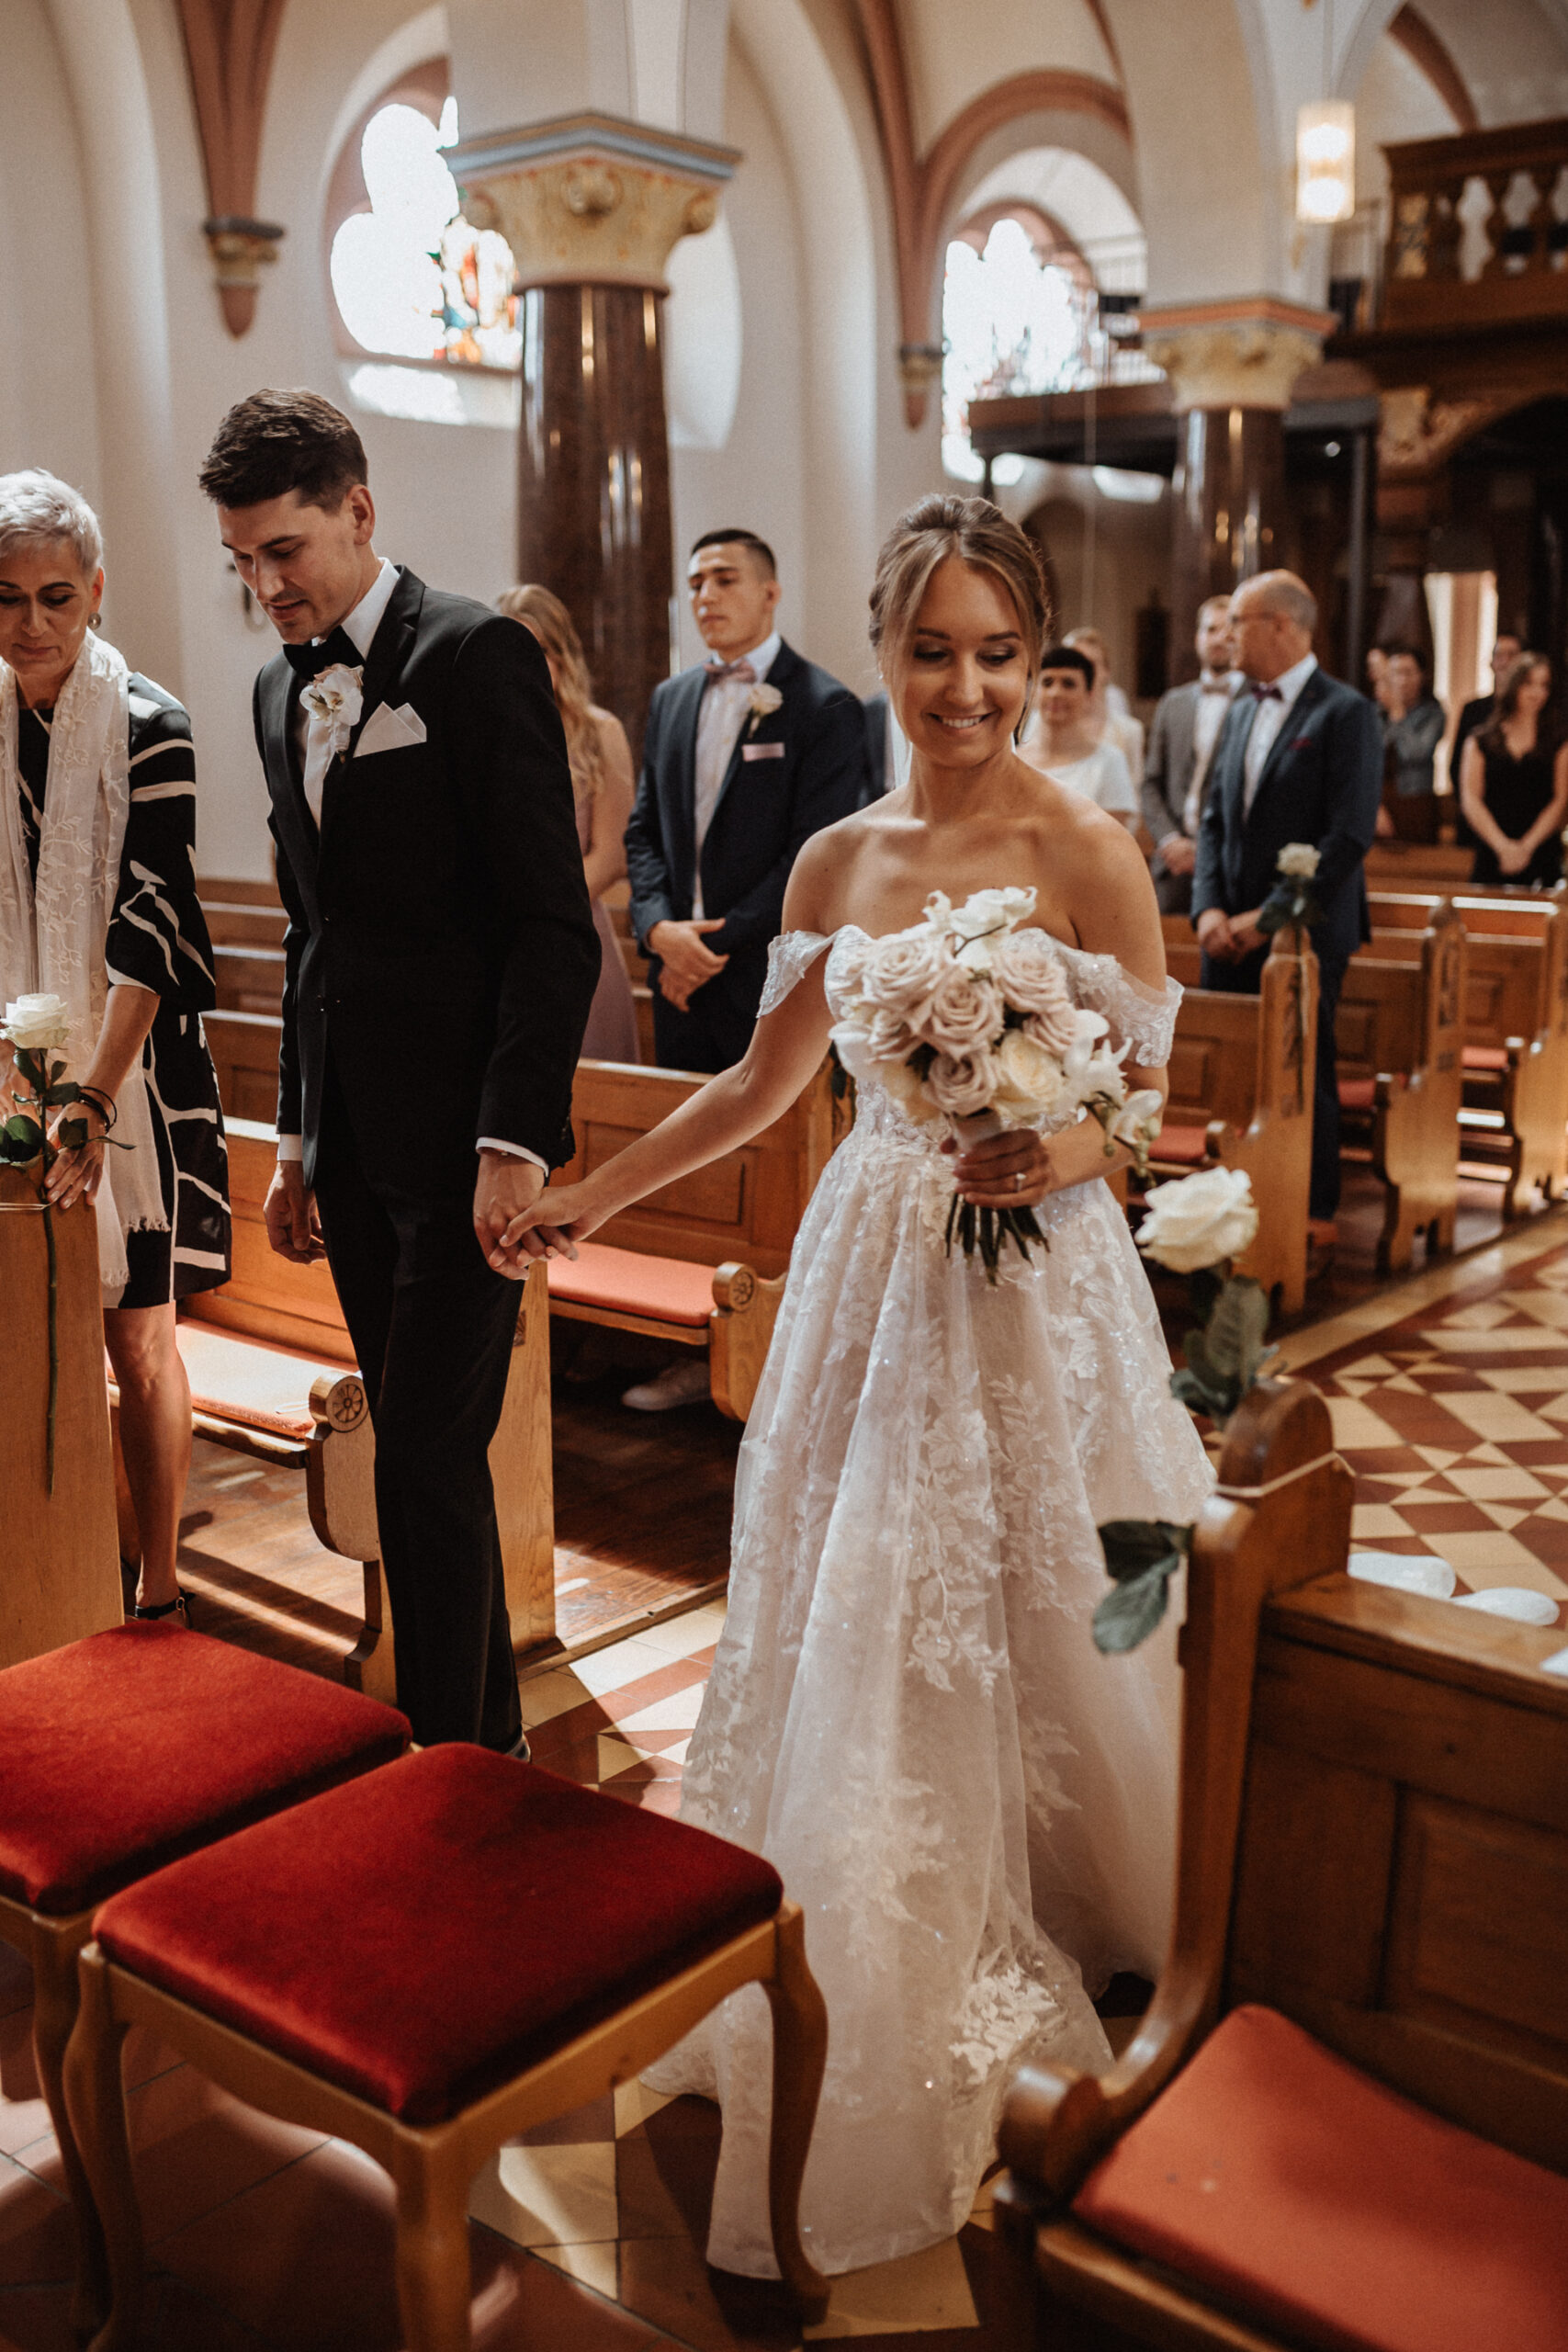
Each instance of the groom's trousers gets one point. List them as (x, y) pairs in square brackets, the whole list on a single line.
[(432, 1326)]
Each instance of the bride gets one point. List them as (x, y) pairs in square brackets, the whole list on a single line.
[(906, 1714)]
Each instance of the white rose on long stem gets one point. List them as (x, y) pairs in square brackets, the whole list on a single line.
[(965, 1011), (963, 1084), (1199, 1220), (34, 1023), (1298, 861)]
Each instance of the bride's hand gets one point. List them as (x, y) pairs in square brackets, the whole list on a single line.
[(552, 1225), (1007, 1171)]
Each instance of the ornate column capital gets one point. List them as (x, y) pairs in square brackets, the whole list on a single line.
[(591, 200), (241, 248), (1244, 354)]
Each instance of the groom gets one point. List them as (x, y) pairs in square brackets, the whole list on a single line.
[(441, 959)]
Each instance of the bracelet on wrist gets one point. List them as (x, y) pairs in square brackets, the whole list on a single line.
[(103, 1102)]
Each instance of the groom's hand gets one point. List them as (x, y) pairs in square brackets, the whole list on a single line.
[(506, 1186), (289, 1214)]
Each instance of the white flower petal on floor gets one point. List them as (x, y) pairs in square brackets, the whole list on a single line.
[(1405, 1572), (1513, 1601)]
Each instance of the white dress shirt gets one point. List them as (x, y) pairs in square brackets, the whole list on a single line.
[(1270, 717), (313, 736), (312, 741), (725, 708), (1216, 691)]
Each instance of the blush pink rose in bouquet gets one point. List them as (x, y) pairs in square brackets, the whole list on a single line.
[(968, 1015)]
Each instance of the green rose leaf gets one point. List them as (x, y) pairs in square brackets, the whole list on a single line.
[(58, 1094), (25, 1131), (72, 1133), (1235, 1336), (1142, 1555)]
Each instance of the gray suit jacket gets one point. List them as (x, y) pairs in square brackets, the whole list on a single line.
[(1168, 766)]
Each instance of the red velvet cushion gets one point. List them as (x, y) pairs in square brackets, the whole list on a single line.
[(1485, 1058), (431, 1931), (665, 1290), (120, 1752), (1181, 1147), (1315, 2202)]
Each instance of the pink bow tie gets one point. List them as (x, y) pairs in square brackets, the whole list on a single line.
[(718, 671)]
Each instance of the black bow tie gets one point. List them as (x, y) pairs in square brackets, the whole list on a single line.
[(307, 662), (1267, 693)]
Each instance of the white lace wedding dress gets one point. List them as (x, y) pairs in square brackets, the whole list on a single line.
[(906, 1714)]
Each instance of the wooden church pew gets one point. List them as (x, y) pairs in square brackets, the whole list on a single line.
[(1516, 1052), (1373, 1845), (1241, 1094), (271, 1371), (703, 1262), (1400, 1033)]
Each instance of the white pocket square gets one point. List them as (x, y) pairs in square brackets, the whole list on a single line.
[(389, 730)]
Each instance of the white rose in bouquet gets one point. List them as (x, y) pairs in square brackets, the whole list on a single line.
[(1298, 861), (908, 1091), (34, 1023), (900, 974), (965, 1012), (1199, 1220), (1030, 1081), (962, 1084)]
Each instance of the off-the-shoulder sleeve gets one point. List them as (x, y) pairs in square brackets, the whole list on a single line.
[(1141, 1017), (790, 957), (157, 934)]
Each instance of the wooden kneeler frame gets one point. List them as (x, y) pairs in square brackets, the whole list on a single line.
[(52, 1942), (432, 2167)]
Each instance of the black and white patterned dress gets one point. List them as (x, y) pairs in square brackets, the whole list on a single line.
[(157, 939)]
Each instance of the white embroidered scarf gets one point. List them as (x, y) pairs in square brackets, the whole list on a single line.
[(52, 937)]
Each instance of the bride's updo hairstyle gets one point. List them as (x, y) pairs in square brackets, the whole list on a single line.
[(977, 534)]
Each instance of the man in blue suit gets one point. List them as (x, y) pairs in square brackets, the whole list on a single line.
[(1300, 759)]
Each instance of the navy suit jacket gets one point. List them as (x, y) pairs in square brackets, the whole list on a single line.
[(1321, 783), (440, 932), (767, 808)]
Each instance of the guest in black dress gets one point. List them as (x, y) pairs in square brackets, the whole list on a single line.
[(1514, 784), (98, 905)]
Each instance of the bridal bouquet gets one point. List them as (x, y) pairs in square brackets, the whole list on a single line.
[(968, 1017)]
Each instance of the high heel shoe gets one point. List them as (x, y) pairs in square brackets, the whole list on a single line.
[(179, 1606)]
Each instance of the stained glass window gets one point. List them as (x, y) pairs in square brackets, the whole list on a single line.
[(1011, 324), (411, 277)]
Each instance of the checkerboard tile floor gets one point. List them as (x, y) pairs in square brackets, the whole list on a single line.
[(1454, 1417)]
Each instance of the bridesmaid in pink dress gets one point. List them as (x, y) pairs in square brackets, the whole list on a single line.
[(601, 781)]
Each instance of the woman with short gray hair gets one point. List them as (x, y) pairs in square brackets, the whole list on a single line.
[(98, 907)]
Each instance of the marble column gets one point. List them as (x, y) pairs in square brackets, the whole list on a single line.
[(592, 208), (1230, 366)]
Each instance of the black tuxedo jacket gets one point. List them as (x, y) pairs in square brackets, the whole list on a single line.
[(440, 935), (767, 808), (1321, 783)]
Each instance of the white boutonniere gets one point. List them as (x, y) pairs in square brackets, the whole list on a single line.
[(763, 701), (336, 700)]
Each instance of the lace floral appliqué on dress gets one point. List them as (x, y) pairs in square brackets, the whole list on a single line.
[(907, 1712)]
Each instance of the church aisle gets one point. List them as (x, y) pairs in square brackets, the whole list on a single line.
[(1449, 1396)]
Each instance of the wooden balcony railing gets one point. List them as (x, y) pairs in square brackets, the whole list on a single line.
[(1477, 232)]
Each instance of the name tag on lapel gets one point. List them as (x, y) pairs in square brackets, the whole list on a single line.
[(389, 730), (762, 751)]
